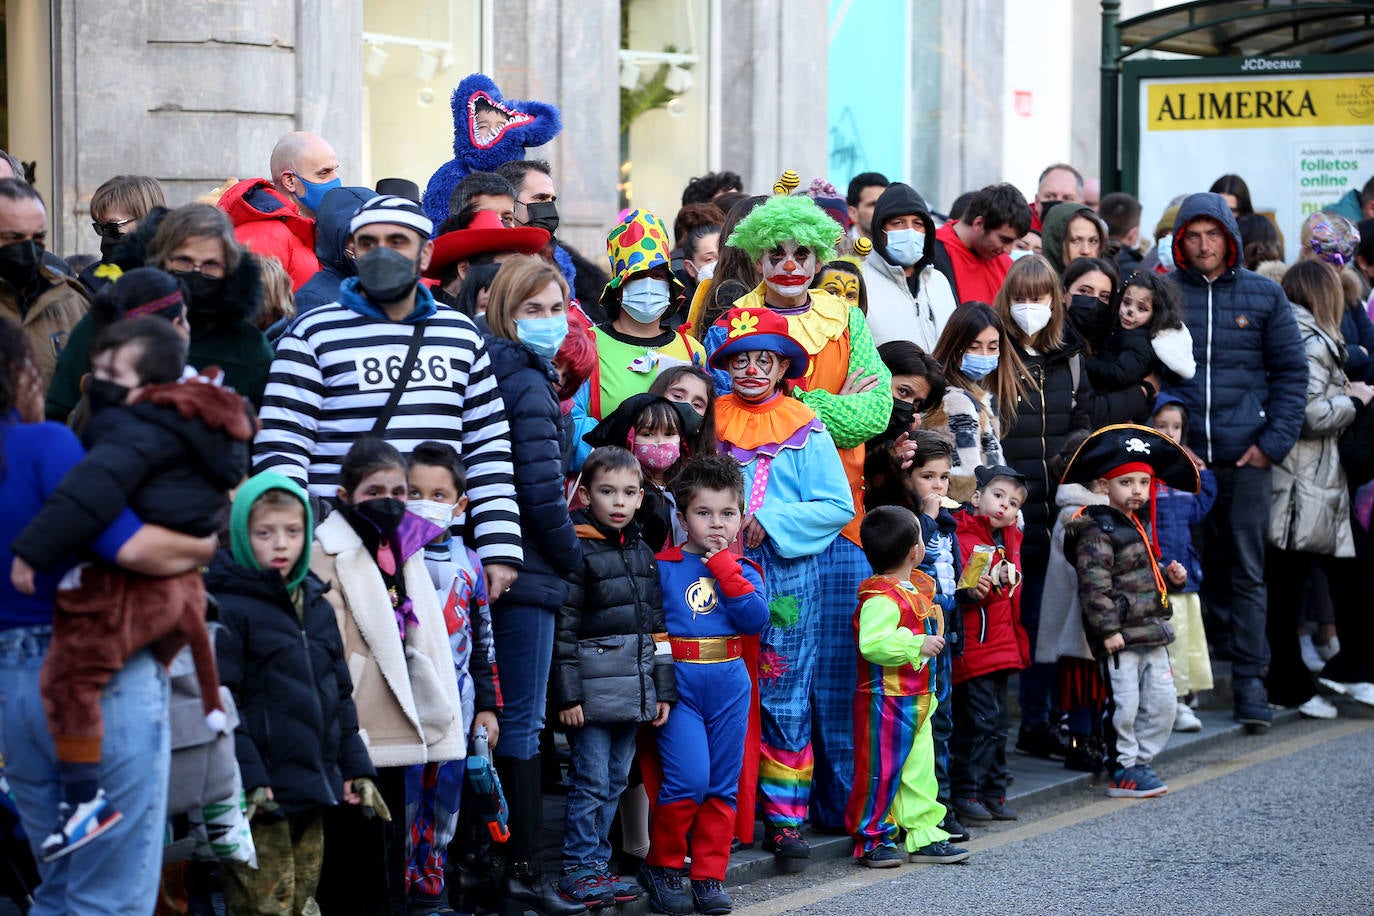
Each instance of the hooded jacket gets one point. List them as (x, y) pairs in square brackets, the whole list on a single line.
[(1251, 381), (896, 311), (1178, 512), (1311, 508), (1057, 226), (551, 547), (1061, 619), (994, 638), (298, 727), (267, 222), (48, 316), (172, 458), (331, 241), (604, 656)]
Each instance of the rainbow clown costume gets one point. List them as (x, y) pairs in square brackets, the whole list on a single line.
[(789, 239), (797, 501)]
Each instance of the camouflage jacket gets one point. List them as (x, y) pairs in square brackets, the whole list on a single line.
[(1117, 588)]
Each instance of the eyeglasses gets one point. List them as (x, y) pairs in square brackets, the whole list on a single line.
[(111, 229), (212, 269)]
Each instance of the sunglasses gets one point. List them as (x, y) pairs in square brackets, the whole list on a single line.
[(112, 229)]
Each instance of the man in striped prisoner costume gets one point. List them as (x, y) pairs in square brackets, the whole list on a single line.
[(337, 368)]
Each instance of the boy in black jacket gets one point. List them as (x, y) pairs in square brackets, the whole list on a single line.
[(281, 656), (612, 668), (169, 449)]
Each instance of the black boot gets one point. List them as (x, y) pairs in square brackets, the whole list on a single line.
[(523, 884)]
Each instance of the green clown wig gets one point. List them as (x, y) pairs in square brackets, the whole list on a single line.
[(781, 219)]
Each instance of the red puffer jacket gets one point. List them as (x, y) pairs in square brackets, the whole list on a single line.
[(266, 222), (994, 639)]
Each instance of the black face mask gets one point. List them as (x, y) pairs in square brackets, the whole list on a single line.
[(109, 247), (19, 263), (384, 514), (1088, 315), (903, 412), (101, 393), (691, 420), (542, 215), (386, 276), (206, 292)]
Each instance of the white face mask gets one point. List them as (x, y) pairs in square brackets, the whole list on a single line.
[(706, 271), (439, 513), (1031, 317), (1166, 251), (905, 246)]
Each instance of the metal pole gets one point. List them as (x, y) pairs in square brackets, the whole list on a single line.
[(1109, 171)]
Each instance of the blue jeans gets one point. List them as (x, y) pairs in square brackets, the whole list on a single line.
[(524, 653), (118, 872), (601, 756)]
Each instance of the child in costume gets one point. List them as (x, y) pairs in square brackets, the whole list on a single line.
[(1124, 594), (995, 645), (898, 630), (1177, 514), (280, 655), (371, 553), (632, 346), (438, 493), (711, 598), (170, 449), (799, 500), (848, 387), (612, 669)]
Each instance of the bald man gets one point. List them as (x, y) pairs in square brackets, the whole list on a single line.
[(276, 217)]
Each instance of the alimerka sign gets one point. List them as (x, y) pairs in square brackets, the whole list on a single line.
[(1285, 101)]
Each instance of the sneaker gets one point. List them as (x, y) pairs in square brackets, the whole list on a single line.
[(1252, 706), (1191, 700), (1328, 650), (881, 857), (711, 897), (1000, 810), (1041, 741), (1317, 708), (1085, 754), (666, 891), (942, 853), (1337, 688), (787, 843), (587, 887), (1310, 658), (77, 826), (958, 833), (623, 889), (1185, 720), (971, 809), (1135, 782), (1362, 692), (736, 845)]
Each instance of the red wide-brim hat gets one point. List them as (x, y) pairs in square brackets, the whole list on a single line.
[(485, 235)]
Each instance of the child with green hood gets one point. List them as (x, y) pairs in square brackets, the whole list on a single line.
[(281, 655)]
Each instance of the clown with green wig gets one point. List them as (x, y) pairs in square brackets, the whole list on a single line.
[(849, 389)]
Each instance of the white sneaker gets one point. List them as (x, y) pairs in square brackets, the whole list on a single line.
[(1185, 720), (1363, 692), (1310, 658), (1317, 708), (1328, 651), (1336, 687)]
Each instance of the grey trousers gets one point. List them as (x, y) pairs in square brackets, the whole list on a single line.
[(1141, 688)]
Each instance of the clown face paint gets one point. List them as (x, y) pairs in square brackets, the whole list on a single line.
[(787, 272), (840, 283), (755, 374), (488, 119)]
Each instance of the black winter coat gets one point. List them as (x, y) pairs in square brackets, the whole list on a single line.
[(298, 728), (1051, 409), (552, 554), (170, 470), (603, 654), (1251, 381), (1126, 357)]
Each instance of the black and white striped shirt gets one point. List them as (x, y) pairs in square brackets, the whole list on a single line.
[(332, 375)]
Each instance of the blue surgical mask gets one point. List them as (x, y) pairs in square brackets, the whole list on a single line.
[(977, 365), (542, 336), (314, 192), (646, 299), (905, 246)]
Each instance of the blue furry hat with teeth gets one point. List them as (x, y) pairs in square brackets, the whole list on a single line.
[(487, 131)]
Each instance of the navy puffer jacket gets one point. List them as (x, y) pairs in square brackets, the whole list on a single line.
[(552, 553), (331, 247), (1251, 381)]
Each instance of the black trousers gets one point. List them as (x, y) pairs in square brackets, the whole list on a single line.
[(364, 870), (978, 748)]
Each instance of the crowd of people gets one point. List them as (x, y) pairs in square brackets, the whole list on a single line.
[(750, 527)]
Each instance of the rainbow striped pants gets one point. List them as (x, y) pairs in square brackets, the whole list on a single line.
[(894, 774)]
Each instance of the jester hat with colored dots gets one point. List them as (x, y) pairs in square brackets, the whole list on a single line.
[(752, 329), (640, 242)]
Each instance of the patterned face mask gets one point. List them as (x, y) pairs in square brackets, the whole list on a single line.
[(658, 456)]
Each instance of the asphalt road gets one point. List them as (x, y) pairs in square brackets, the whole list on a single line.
[(1276, 824)]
